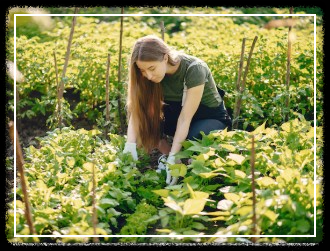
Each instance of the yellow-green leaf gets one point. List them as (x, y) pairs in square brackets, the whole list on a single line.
[(224, 218), (236, 157), (233, 197), (88, 166), (70, 161), (208, 175), (162, 192), (202, 157), (217, 213), (200, 195), (265, 181), (270, 214), (259, 129), (228, 147), (244, 210), (164, 230), (240, 174), (193, 206)]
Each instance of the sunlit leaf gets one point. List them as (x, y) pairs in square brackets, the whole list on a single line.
[(229, 148), (259, 129), (202, 157), (232, 197), (208, 175), (225, 204), (88, 166), (240, 174), (236, 157), (271, 215), (193, 206), (265, 181), (244, 210)]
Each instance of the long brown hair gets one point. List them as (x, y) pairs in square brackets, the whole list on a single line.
[(145, 99)]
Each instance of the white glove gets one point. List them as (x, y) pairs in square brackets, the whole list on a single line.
[(131, 148), (164, 165)]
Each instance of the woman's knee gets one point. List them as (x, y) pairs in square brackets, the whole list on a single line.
[(206, 126)]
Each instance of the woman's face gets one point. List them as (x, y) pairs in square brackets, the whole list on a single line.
[(153, 70)]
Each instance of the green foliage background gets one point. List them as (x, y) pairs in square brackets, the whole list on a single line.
[(59, 172), (215, 39)]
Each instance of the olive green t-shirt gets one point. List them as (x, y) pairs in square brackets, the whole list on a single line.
[(196, 75)]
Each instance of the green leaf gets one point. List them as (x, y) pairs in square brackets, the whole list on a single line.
[(162, 192), (178, 170), (198, 167), (106, 202), (303, 226), (198, 226)]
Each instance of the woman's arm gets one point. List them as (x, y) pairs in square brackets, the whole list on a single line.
[(131, 136), (193, 99)]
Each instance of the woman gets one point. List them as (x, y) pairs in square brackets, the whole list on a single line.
[(159, 104)]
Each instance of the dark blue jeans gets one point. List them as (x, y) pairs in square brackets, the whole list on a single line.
[(204, 125), (206, 119)]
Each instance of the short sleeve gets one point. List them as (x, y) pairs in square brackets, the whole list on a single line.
[(196, 75)]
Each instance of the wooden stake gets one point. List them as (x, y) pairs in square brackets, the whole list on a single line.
[(119, 73), (20, 166), (242, 85), (288, 64), (56, 71), (107, 112), (238, 85), (61, 87), (162, 29)]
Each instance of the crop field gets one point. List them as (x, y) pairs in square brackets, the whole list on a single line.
[(261, 182)]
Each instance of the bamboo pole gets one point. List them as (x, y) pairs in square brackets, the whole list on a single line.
[(107, 109), (20, 166), (56, 72), (119, 73), (248, 62), (238, 85), (242, 85), (288, 65), (162, 29), (67, 55)]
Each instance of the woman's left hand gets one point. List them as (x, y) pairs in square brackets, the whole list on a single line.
[(170, 161)]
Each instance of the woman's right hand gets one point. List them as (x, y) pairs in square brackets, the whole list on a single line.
[(131, 148)]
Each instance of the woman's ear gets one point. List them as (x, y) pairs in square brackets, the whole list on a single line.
[(166, 58)]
